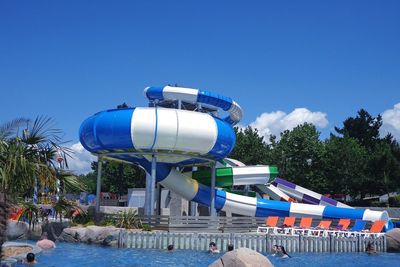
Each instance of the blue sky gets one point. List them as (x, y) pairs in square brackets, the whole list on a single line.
[(70, 59)]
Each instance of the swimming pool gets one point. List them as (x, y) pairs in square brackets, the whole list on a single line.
[(74, 255)]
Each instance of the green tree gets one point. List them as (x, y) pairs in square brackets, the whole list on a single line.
[(250, 147), (345, 163), (299, 156), (364, 128), (382, 170), (116, 177)]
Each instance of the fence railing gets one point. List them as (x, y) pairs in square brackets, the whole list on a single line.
[(259, 242), (202, 223)]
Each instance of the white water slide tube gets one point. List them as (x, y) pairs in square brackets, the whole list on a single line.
[(126, 133)]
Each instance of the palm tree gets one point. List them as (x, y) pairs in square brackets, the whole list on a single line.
[(27, 150)]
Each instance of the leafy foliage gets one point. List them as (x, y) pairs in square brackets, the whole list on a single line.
[(298, 156), (250, 146), (116, 177), (128, 219), (67, 209), (357, 162), (30, 212)]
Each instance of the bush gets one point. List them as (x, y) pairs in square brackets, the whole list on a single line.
[(128, 219), (146, 227), (84, 218), (394, 201)]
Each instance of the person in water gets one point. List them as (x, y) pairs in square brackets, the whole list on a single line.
[(45, 243), (30, 259), (370, 249), (283, 253), (170, 247), (275, 250), (213, 248)]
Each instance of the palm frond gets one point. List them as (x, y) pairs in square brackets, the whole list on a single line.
[(71, 183), (10, 128)]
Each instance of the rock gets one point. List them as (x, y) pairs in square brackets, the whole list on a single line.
[(18, 251), (107, 236), (16, 230), (393, 240), (242, 257), (14, 251), (54, 229)]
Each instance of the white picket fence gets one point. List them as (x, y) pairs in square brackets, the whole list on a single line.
[(259, 242)]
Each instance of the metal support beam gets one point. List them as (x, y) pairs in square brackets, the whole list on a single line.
[(213, 212), (147, 195), (153, 183), (98, 183), (192, 204), (158, 202)]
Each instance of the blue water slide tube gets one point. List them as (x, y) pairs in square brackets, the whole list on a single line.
[(191, 134)]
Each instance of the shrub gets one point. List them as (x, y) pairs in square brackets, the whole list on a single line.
[(128, 219), (146, 227), (394, 201)]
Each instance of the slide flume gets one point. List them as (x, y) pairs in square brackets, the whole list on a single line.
[(186, 137)]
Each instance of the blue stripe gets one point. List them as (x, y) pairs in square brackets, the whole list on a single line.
[(203, 196), (331, 212), (214, 99), (225, 140), (272, 208), (220, 199), (156, 129), (154, 92)]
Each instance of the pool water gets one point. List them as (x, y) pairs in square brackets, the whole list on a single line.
[(74, 255)]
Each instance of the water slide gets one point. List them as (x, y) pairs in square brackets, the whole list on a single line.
[(186, 138)]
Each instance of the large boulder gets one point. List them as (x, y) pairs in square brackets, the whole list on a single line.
[(16, 230), (242, 257), (18, 251), (54, 229), (393, 240), (107, 236)]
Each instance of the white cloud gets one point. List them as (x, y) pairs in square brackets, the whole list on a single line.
[(80, 163), (278, 121), (391, 121)]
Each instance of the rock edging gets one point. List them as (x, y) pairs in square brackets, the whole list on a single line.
[(106, 236)]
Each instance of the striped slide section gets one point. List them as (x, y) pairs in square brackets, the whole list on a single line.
[(305, 195), (197, 96), (274, 193), (192, 190), (229, 176)]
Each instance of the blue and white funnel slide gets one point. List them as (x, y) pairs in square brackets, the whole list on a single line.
[(183, 137)]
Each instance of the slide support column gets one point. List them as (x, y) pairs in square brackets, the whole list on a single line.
[(213, 212), (98, 183), (153, 184)]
